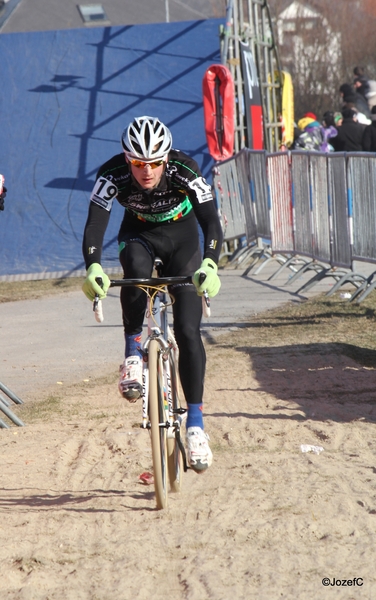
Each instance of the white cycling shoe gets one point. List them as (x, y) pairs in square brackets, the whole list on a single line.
[(130, 379), (199, 455)]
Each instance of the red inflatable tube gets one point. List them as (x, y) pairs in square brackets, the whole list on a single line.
[(219, 111)]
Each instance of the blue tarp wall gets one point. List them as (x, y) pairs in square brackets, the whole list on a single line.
[(66, 97)]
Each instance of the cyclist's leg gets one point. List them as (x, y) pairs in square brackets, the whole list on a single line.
[(185, 259), (181, 255), (136, 259), (192, 360), (187, 311)]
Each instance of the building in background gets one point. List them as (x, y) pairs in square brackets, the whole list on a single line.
[(320, 43), (311, 50), (44, 15)]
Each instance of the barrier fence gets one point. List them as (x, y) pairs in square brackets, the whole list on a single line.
[(306, 210), (4, 407)]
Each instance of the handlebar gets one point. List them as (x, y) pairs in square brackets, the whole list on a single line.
[(155, 281), (151, 282)]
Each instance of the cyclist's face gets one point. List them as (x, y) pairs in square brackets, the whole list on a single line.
[(147, 177)]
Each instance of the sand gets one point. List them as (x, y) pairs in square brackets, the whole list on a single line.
[(266, 521)]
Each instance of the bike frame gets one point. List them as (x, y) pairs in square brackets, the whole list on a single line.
[(162, 413), (158, 329)]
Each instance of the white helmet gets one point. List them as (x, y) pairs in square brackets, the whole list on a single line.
[(146, 138)]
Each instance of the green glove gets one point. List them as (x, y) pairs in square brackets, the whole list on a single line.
[(90, 287), (212, 282)]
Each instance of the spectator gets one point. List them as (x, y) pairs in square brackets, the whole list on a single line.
[(371, 94), (311, 137), (360, 117), (369, 134), (328, 118), (310, 115), (350, 134), (338, 118), (359, 72), (328, 132), (361, 83), (349, 96), (314, 136)]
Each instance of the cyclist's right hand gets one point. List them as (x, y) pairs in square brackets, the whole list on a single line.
[(90, 287)]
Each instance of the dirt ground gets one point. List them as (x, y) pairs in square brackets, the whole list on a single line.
[(266, 521)]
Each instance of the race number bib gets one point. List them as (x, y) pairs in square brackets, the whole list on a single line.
[(104, 193), (202, 189)]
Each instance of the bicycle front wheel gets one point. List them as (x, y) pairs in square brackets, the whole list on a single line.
[(157, 424)]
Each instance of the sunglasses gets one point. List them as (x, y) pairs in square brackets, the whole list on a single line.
[(141, 165)]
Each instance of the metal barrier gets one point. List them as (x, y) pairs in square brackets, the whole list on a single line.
[(229, 201), (331, 243), (346, 174), (361, 177), (4, 407), (309, 195), (245, 184), (281, 214), (251, 164), (259, 192), (277, 205), (302, 204), (313, 208), (341, 241), (361, 172), (320, 207)]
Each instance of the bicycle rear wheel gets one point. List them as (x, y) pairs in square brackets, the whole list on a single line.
[(175, 458), (158, 432)]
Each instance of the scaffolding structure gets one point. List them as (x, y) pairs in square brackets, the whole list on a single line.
[(249, 21)]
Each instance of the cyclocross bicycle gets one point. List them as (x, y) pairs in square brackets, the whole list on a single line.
[(162, 413)]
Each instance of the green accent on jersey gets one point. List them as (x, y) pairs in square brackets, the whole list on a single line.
[(183, 165), (173, 214)]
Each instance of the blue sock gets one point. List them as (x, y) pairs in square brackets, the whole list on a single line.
[(194, 417), (132, 342)]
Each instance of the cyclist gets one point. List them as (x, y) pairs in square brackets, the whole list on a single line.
[(3, 192), (164, 195)]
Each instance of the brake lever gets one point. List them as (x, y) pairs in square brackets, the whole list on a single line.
[(97, 303), (205, 297)]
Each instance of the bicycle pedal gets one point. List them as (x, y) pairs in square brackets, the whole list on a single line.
[(182, 450)]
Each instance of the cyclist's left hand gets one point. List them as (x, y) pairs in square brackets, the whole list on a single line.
[(212, 282)]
